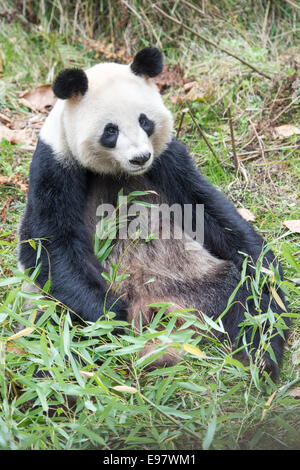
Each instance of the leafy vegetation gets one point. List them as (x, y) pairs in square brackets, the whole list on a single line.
[(99, 392)]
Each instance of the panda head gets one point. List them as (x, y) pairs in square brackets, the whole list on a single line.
[(111, 117)]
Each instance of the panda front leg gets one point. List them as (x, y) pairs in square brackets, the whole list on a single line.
[(76, 282), (230, 237), (260, 340), (226, 235), (54, 217)]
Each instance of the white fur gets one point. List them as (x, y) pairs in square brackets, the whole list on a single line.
[(115, 95)]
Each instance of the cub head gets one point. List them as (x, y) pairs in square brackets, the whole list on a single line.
[(111, 117)]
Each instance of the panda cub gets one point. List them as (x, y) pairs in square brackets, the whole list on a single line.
[(110, 131)]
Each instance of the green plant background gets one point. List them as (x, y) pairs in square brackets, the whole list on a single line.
[(209, 400)]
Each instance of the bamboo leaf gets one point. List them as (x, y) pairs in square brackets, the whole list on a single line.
[(125, 388), (194, 350), (24, 332)]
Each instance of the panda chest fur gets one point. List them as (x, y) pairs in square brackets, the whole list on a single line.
[(153, 266)]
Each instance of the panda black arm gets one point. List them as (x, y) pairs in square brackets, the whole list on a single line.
[(225, 231), (55, 212)]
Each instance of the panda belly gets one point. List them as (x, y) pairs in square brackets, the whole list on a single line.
[(164, 270)]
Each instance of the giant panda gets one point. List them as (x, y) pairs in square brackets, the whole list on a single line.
[(110, 131)]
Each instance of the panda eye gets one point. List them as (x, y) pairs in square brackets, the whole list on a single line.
[(111, 129), (146, 124), (143, 120), (110, 135)]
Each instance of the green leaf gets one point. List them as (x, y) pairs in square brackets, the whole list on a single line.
[(285, 250), (211, 429), (174, 412), (32, 244), (9, 281)]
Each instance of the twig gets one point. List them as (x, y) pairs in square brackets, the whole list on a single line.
[(236, 158), (202, 134), (286, 108), (265, 24), (183, 112), (208, 41), (237, 163), (254, 153), (193, 7), (273, 120), (274, 100), (250, 157), (260, 143), (131, 9), (292, 4)]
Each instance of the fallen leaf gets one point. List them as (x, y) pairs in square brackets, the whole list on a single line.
[(267, 271), (187, 86), (4, 210), (295, 393), (86, 374), (14, 181), (285, 131), (171, 76), (107, 50), (25, 332), (194, 350), (125, 388), (4, 179), (194, 91), (4, 118), (246, 214), (13, 136), (178, 98), (36, 121), (201, 91), (40, 99), (17, 182), (292, 225), (267, 405), (278, 299), (15, 350)]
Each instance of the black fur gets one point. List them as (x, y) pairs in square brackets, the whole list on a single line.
[(70, 82), (146, 124), (110, 136), (55, 210), (148, 61)]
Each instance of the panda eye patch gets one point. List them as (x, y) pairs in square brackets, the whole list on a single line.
[(110, 135), (146, 124)]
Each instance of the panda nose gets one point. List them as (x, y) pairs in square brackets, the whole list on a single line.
[(139, 160)]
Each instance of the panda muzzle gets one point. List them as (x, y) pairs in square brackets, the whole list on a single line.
[(140, 160)]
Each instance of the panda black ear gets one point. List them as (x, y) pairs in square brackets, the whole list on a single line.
[(70, 82), (148, 61)]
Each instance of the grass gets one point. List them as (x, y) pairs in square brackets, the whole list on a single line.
[(209, 400)]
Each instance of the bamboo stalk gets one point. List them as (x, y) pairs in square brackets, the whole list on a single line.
[(203, 135), (236, 158)]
